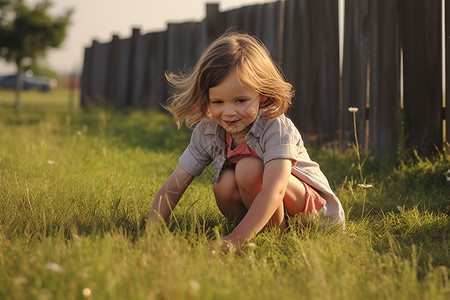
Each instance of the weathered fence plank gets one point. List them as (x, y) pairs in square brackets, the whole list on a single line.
[(384, 112), (181, 46), (325, 71), (86, 94), (100, 54), (111, 73), (421, 40), (311, 61), (122, 75), (154, 89), (446, 111), (137, 58), (354, 73), (297, 62), (271, 29), (212, 21)]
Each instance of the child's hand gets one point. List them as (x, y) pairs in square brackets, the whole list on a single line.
[(226, 245)]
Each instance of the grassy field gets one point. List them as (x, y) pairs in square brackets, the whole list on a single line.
[(76, 186)]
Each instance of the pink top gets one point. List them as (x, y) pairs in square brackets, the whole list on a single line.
[(240, 152)]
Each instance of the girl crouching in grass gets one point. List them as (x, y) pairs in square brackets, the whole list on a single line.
[(238, 98)]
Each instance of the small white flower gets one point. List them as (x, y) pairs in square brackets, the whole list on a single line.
[(87, 292), (365, 186), (54, 267), (251, 245), (352, 109), (51, 162), (194, 285)]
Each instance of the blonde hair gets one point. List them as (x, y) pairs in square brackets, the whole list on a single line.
[(232, 51)]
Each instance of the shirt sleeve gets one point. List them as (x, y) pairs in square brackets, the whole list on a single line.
[(197, 155), (281, 140)]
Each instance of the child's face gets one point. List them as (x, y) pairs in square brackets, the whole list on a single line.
[(234, 106)]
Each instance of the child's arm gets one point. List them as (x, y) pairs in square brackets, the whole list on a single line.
[(275, 180), (169, 194)]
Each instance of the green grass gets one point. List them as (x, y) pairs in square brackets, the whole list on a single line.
[(76, 187)]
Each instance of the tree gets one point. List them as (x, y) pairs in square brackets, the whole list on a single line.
[(26, 33)]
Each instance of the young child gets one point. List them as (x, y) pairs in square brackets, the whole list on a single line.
[(238, 97)]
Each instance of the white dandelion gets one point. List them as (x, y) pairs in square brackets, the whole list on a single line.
[(352, 109), (365, 186), (54, 267), (251, 245), (194, 285), (87, 292)]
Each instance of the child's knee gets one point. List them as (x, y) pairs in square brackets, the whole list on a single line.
[(225, 187), (249, 171)]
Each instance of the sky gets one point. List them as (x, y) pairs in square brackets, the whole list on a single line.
[(100, 19)]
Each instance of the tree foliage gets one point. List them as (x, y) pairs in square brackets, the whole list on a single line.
[(27, 32)]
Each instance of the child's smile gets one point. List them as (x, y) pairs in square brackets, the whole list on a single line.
[(234, 106)]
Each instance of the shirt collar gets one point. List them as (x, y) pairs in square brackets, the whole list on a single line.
[(257, 126)]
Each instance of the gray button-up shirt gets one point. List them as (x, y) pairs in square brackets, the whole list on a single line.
[(276, 138)]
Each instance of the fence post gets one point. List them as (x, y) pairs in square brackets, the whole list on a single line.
[(132, 76), (155, 86), (212, 20), (138, 66), (446, 112), (100, 53), (111, 74), (311, 60), (296, 60), (354, 69), (86, 94), (384, 101), (422, 63)]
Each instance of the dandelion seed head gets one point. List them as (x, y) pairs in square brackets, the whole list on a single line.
[(87, 292), (194, 285), (365, 186), (79, 133), (251, 245), (352, 109), (51, 162), (54, 267)]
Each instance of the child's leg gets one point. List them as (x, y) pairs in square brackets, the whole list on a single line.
[(294, 199), (236, 190), (227, 196), (249, 178)]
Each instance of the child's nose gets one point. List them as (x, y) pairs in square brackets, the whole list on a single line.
[(229, 110)]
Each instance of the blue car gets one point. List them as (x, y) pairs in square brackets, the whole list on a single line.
[(29, 82)]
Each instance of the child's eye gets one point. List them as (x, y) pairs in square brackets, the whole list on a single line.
[(241, 100), (217, 102)]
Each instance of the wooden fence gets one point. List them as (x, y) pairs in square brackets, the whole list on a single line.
[(391, 69)]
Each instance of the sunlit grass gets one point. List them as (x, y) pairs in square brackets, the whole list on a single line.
[(76, 187), (58, 99)]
